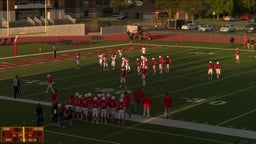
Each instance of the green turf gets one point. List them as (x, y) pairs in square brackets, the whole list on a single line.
[(195, 98)]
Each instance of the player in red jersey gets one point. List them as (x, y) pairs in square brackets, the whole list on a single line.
[(78, 107), (95, 105), (161, 63), (154, 63), (112, 106), (138, 96), (138, 64), (85, 106), (54, 97), (147, 101), (50, 83), (127, 101), (71, 102), (123, 78), (103, 112), (217, 69), (168, 63), (210, 70), (237, 55), (167, 105), (121, 111)]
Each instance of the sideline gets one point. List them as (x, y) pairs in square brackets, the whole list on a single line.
[(169, 123)]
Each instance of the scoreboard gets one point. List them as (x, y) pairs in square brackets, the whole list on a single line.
[(22, 134)]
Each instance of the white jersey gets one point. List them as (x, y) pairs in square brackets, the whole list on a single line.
[(113, 60), (143, 50)]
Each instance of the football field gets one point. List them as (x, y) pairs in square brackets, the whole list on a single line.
[(218, 111)]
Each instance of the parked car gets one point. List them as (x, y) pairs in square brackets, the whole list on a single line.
[(205, 28), (250, 27), (228, 18), (248, 17), (227, 28), (189, 26)]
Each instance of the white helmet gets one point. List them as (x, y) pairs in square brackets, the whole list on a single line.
[(121, 100), (103, 98), (95, 98), (76, 94), (85, 95), (80, 96), (108, 94), (89, 94), (153, 58), (217, 62), (48, 75), (122, 95), (113, 97), (160, 56), (210, 61)]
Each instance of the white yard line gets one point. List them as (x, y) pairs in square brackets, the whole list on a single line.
[(81, 137), (73, 50), (169, 123), (237, 117)]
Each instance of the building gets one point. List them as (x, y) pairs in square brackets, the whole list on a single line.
[(55, 9)]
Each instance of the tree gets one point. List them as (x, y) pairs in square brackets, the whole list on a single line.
[(220, 7), (193, 7), (170, 6)]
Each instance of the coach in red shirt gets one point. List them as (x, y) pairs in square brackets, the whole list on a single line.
[(167, 105)]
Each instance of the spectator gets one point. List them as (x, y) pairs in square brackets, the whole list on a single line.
[(147, 101), (39, 113), (62, 112), (55, 113), (70, 116), (167, 105), (54, 51), (138, 96), (55, 97), (16, 86), (232, 40), (127, 100)]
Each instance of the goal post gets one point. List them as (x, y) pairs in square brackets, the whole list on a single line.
[(17, 33)]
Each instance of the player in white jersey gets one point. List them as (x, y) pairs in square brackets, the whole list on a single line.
[(100, 56), (143, 50), (78, 61), (105, 63), (113, 61), (120, 52)]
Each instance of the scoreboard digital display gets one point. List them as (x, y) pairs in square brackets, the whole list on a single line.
[(22, 134)]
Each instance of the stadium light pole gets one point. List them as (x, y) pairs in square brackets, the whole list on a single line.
[(7, 17), (45, 14)]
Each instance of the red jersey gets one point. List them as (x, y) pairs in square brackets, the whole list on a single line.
[(54, 97), (161, 60), (138, 63), (85, 102), (103, 104), (123, 73), (168, 101), (49, 80), (112, 104), (237, 52), (71, 101), (154, 62), (168, 60), (144, 71), (146, 63), (147, 102), (121, 106), (78, 101), (127, 100), (95, 104), (210, 65), (62, 110), (138, 96), (217, 66)]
